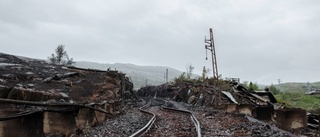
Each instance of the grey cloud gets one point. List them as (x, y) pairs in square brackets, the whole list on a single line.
[(255, 40)]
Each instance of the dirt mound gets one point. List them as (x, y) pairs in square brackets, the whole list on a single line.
[(36, 80)]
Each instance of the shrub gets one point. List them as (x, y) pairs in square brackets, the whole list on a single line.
[(61, 57)]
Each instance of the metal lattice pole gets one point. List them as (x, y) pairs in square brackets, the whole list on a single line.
[(211, 47)]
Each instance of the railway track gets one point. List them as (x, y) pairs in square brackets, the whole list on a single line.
[(167, 121), (148, 125)]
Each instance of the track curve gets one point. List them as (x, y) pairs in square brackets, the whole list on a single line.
[(148, 125), (168, 118)]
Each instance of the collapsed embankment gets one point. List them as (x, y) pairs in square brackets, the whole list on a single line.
[(39, 99), (236, 99)]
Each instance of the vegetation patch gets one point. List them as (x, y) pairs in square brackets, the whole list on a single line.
[(299, 100)]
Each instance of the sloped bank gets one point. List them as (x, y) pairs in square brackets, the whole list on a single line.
[(39, 99)]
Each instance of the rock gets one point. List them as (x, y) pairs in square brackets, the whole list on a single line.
[(3, 81), (4, 91), (8, 76), (29, 73), (63, 95), (30, 85), (3, 59)]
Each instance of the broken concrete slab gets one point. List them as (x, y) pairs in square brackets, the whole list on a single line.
[(291, 118), (59, 123), (29, 125)]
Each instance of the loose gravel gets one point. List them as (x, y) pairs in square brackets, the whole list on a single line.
[(220, 123), (170, 124), (121, 126), (213, 123)]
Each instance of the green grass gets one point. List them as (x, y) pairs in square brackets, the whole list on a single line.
[(300, 100)]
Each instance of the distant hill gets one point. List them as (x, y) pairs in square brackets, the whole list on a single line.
[(297, 86), (293, 86), (138, 74)]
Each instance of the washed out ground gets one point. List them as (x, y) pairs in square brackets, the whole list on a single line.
[(213, 123), (24, 74)]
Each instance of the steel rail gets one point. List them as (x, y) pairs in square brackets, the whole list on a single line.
[(193, 118), (148, 125), (152, 120)]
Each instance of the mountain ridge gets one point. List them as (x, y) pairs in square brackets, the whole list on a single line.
[(140, 75), (298, 86)]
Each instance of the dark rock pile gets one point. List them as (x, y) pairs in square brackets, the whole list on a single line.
[(54, 99), (35, 80), (197, 95)]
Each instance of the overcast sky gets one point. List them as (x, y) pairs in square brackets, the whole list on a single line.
[(256, 40)]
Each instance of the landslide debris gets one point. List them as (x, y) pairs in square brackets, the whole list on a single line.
[(29, 79)]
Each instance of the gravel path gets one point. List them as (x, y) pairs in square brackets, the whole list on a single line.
[(121, 126), (174, 124), (220, 123), (227, 124), (170, 124)]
